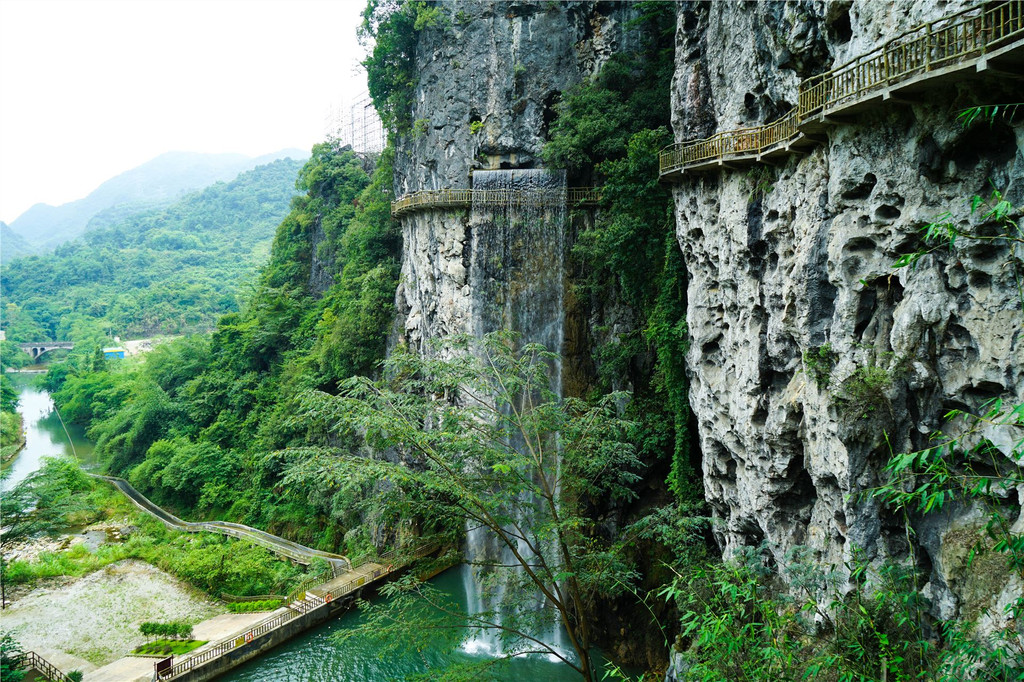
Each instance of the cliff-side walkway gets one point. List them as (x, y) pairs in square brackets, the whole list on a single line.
[(983, 37), (441, 199)]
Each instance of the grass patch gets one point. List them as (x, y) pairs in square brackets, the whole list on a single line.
[(254, 606), (168, 647), (212, 563)]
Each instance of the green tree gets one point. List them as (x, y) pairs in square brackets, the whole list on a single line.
[(501, 452), (37, 505), (10, 651)]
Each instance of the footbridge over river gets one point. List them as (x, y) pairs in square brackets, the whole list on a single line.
[(985, 38)]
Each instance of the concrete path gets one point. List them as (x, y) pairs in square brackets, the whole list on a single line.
[(140, 669), (342, 584), (129, 669)]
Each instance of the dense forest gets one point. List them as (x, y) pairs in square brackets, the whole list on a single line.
[(163, 271), (194, 425), (296, 416)]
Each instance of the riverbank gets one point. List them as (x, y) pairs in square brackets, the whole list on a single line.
[(11, 422), (87, 622)]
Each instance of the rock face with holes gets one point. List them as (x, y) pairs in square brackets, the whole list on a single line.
[(490, 74), (812, 358)]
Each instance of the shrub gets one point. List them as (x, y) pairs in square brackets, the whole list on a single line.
[(819, 363)]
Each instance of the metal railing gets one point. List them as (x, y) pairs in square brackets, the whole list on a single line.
[(463, 198), (30, 659), (278, 545), (234, 598), (956, 38), (300, 603)]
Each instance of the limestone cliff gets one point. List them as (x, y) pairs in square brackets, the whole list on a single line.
[(795, 262), (489, 76)]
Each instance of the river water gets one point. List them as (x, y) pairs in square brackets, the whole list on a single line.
[(44, 434), (315, 656)]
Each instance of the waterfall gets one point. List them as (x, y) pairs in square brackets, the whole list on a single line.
[(518, 241)]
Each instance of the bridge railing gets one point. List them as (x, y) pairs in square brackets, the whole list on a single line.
[(296, 608), (933, 45), (276, 544), (461, 198), (30, 659)]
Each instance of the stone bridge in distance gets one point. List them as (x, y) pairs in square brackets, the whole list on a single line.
[(39, 347)]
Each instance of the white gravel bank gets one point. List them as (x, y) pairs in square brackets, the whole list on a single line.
[(97, 617)]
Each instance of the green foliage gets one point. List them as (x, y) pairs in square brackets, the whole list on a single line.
[(8, 394), (989, 112), (168, 647), (964, 465), (393, 27), (254, 606), (613, 128), (466, 470), (10, 651), (167, 270), (736, 625), (10, 354), (762, 180), (76, 675), (866, 392), (11, 434), (190, 424), (475, 127), (819, 363), (176, 629), (42, 503), (995, 223), (631, 93)]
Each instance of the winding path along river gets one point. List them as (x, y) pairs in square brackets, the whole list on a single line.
[(314, 656)]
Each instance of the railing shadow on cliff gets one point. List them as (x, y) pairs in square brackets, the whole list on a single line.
[(927, 52)]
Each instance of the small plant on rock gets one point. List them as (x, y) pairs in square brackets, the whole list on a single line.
[(819, 363)]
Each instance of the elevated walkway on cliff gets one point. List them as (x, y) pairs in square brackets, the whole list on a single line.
[(448, 199), (986, 37)]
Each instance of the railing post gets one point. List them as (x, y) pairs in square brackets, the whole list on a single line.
[(928, 46)]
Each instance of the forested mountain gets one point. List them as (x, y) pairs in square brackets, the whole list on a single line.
[(154, 183), (193, 425), (168, 270), (12, 244)]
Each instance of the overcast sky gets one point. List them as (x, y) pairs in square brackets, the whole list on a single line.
[(91, 88)]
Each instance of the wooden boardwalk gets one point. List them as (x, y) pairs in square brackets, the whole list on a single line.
[(982, 38)]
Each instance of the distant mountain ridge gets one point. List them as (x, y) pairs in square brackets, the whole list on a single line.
[(12, 245), (153, 184)]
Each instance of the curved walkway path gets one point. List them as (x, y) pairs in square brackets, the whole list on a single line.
[(292, 550), (987, 36)]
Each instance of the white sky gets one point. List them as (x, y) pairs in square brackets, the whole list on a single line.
[(91, 88)]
